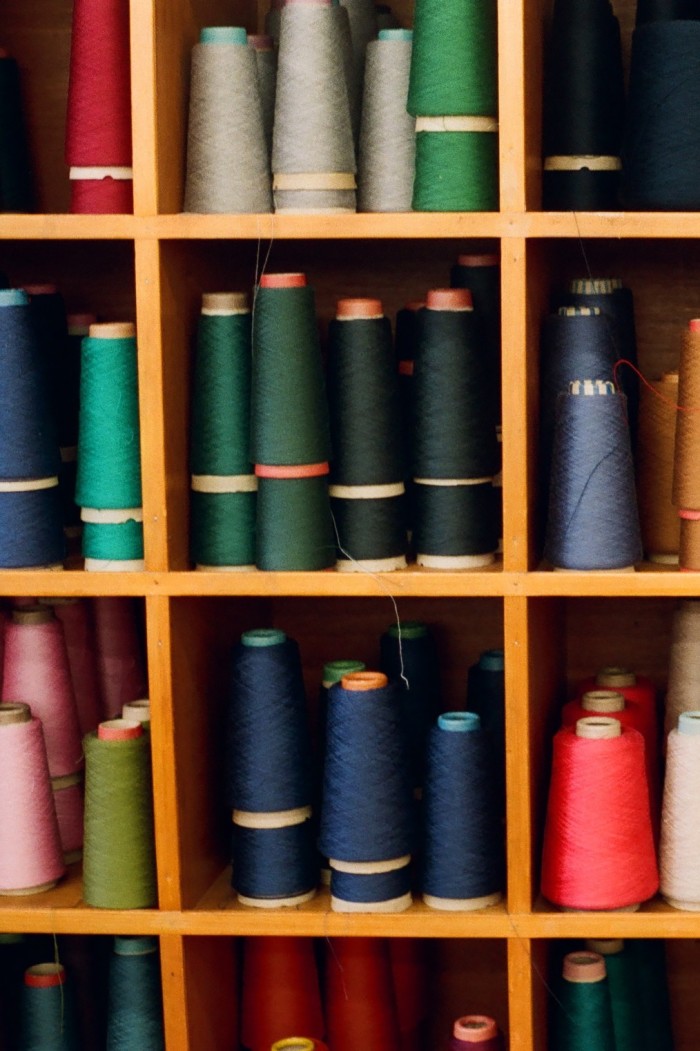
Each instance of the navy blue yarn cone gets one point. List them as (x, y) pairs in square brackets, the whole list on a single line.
[(268, 746), (31, 528), (367, 805), (371, 889), (273, 863), (593, 520), (462, 837)]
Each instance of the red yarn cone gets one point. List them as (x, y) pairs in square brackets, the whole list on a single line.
[(281, 996), (360, 1004), (410, 975)]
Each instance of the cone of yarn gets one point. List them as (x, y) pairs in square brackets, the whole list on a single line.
[(406, 343), (273, 18), (486, 697), (662, 119), (78, 326), (463, 865), (269, 769), (36, 672), (366, 817), (16, 191), (684, 663), (227, 154), (611, 703), (313, 156), (655, 459), (593, 522), (686, 492), (583, 107), (455, 453), (119, 853), (223, 483), (408, 657), (343, 44), (98, 123), (135, 1012), (387, 145), (31, 858), (281, 993), (48, 1016), (481, 274), (367, 488), (653, 1001), (120, 667), (598, 842), (138, 711), (75, 617), (386, 19), (409, 969), (637, 690), (621, 973), (68, 801), (360, 1003), (362, 16), (584, 1015), (266, 67), (680, 842), (476, 1033)]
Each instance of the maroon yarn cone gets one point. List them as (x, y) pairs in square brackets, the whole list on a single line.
[(410, 978), (360, 1004), (79, 632), (281, 995), (119, 661)]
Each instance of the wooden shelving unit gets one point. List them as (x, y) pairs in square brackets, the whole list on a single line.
[(154, 266)]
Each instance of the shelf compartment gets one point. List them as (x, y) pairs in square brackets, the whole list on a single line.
[(202, 632)]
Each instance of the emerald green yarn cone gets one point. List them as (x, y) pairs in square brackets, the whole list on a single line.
[(109, 451), (456, 171), (289, 414), (118, 854), (653, 1000), (47, 1011), (113, 541), (295, 529), (221, 387), (135, 1013), (222, 529), (621, 969), (454, 66), (583, 1014)]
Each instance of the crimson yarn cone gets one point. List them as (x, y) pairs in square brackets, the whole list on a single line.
[(119, 661), (281, 994), (636, 689), (360, 1004), (410, 976)]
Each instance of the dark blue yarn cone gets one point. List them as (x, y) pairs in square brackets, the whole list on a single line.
[(420, 694), (28, 442), (268, 746), (367, 803), (135, 1016), (370, 889), (462, 837), (31, 529), (274, 862), (593, 520), (486, 696)]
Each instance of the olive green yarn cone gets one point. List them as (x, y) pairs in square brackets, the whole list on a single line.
[(295, 529), (223, 529), (456, 171), (118, 855)]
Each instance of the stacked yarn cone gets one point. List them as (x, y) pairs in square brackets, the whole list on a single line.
[(108, 486)]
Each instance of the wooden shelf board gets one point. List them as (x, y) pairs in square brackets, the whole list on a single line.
[(329, 227), (671, 225), (62, 911), (219, 913), (654, 919), (649, 580), (45, 582), (68, 227)]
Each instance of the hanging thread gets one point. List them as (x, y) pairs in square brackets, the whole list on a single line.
[(598, 843), (593, 522), (135, 1011), (280, 993), (455, 453), (583, 107), (269, 782), (31, 859), (228, 164), (119, 856), (98, 122), (223, 483), (313, 155), (387, 145), (366, 817), (366, 480), (463, 864)]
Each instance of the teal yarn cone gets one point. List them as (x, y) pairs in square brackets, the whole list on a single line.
[(294, 524), (456, 171), (135, 1012), (118, 852), (223, 484), (289, 414), (47, 1011), (108, 541), (583, 1013), (454, 62), (109, 452), (621, 969)]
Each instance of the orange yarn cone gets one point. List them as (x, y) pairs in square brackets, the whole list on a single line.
[(281, 996), (360, 1005)]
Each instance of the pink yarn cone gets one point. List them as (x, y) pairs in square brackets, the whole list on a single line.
[(119, 662)]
